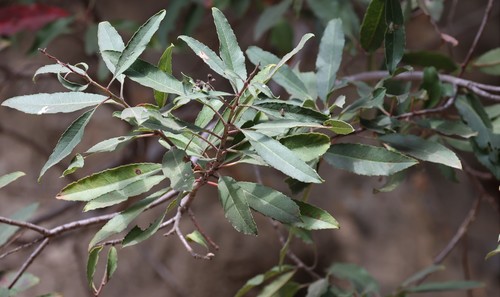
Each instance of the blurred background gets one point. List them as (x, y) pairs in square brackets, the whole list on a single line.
[(392, 234)]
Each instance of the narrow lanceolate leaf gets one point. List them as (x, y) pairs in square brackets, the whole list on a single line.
[(362, 281), (76, 163), (394, 35), (270, 202), (230, 51), (284, 76), (422, 149), (235, 206), (339, 127), (288, 56), (373, 26), (112, 263), (123, 219), (149, 75), (137, 235), (53, 103), (11, 177), (197, 237), (137, 44), (24, 214), (261, 278), (279, 109), (177, 170), (118, 196), (57, 68), (114, 179), (445, 286), (307, 146), (206, 54), (270, 17), (91, 265), (165, 65), (366, 159), (318, 288), (273, 288), (489, 62), (109, 145), (108, 39), (314, 218), (432, 85), (329, 57), (280, 157), (68, 141)]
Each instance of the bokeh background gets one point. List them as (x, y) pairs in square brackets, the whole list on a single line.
[(391, 234)]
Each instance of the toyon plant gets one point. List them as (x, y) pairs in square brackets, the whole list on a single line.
[(249, 124)]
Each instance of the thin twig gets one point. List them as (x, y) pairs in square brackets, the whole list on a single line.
[(21, 247), (36, 228), (28, 262), (207, 238)]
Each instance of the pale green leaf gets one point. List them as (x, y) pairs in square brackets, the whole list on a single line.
[(318, 288), (445, 286), (76, 163), (138, 43), (273, 288), (362, 281), (230, 51), (307, 146), (137, 235), (206, 54), (494, 252), (44, 103), (177, 170), (109, 145), (373, 26), (206, 114), (270, 202), (6, 231), (235, 206), (270, 17), (422, 274), (339, 127), (120, 222), (119, 196), (489, 62), (288, 56), (11, 177), (197, 237), (392, 182), (165, 65), (281, 158), (314, 218), (329, 57), (106, 181), (448, 127), (366, 159), (57, 68), (285, 110), (261, 278), (108, 39), (422, 149), (91, 265), (68, 141), (112, 263)]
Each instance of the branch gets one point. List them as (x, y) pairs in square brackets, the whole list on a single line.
[(28, 262), (36, 228)]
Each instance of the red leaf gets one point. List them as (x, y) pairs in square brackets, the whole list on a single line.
[(17, 17)]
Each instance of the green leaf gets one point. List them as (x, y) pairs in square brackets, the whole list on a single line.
[(119, 196), (165, 65), (307, 146), (44, 103), (108, 39), (339, 127), (197, 237), (11, 177), (366, 159), (230, 51), (284, 76), (428, 59), (137, 235), (235, 206), (448, 127), (91, 265), (177, 170), (6, 231), (317, 288), (373, 26), (261, 278), (206, 54), (109, 145), (422, 274), (284, 110), (112, 263), (280, 157), (138, 43), (56, 69), (489, 62), (76, 163), (314, 218), (270, 17), (149, 75), (432, 85), (270, 202), (25, 282), (394, 34), (68, 141), (120, 222), (392, 182), (363, 282), (106, 181), (422, 149), (445, 286), (272, 288), (329, 57), (494, 252), (206, 114), (288, 56)]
